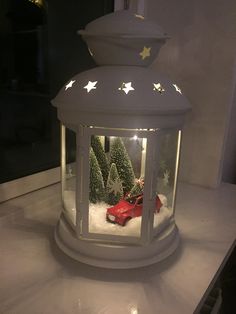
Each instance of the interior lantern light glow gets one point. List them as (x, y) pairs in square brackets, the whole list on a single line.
[(158, 87), (139, 16), (126, 87), (120, 155), (69, 85), (177, 89), (90, 86)]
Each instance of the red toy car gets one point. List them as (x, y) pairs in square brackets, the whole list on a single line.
[(128, 208)]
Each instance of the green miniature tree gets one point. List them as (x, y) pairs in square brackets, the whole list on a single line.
[(96, 184), (137, 188), (114, 190), (120, 157), (101, 156)]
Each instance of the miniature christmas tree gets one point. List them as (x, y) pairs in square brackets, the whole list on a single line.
[(101, 156), (120, 157), (96, 184), (137, 188), (114, 188)]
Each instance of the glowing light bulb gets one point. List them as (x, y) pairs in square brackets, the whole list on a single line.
[(133, 310), (135, 137)]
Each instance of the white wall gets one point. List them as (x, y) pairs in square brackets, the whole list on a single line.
[(200, 58)]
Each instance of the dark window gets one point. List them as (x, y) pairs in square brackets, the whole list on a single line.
[(40, 51)]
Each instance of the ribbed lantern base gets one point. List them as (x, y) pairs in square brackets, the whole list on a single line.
[(114, 255)]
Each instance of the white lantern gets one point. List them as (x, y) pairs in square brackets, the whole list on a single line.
[(119, 193)]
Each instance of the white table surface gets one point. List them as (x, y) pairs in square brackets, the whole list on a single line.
[(37, 278)]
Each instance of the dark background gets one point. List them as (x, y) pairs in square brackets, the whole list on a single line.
[(40, 51)]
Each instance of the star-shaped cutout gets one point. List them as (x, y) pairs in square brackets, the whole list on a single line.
[(90, 86), (126, 87), (69, 85), (158, 87), (90, 51), (177, 88), (139, 16), (145, 53)]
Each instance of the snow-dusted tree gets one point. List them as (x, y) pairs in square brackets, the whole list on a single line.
[(96, 184), (101, 156), (138, 187), (120, 157), (114, 190)]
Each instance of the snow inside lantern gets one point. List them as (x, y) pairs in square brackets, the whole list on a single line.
[(121, 134)]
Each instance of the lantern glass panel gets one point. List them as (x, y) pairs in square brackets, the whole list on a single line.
[(167, 175), (69, 174), (117, 173)]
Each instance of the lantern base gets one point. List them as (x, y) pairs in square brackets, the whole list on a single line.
[(116, 256)]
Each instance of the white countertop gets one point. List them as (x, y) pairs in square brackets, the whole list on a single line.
[(37, 278)]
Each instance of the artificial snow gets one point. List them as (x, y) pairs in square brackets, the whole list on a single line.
[(99, 224)]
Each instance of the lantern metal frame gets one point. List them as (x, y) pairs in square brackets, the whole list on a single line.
[(99, 249), (99, 102)]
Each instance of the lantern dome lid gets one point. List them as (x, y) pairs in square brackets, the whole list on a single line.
[(123, 38), (120, 92), (124, 23)]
